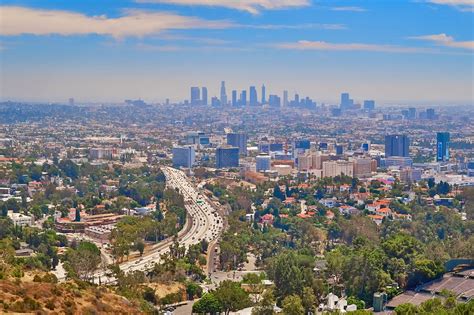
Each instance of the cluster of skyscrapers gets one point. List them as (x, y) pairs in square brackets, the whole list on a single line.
[(399, 146), (199, 96), (347, 103)]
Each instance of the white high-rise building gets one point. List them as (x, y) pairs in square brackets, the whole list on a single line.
[(337, 168)]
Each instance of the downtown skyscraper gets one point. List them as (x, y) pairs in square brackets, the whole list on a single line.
[(204, 95), (195, 95), (223, 94), (253, 101)]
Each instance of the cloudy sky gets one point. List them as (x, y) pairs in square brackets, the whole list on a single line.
[(394, 51)]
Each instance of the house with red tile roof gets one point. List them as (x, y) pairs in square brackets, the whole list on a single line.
[(267, 219), (376, 218)]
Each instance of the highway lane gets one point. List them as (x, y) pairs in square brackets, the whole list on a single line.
[(206, 222)]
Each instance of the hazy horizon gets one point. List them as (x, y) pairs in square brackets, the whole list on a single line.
[(413, 52)]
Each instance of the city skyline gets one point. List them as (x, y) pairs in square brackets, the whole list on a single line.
[(157, 49)]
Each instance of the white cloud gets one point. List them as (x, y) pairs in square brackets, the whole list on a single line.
[(351, 9), (463, 5), (447, 41), (321, 45), (21, 20), (251, 6)]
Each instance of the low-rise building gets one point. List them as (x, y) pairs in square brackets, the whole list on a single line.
[(20, 219)]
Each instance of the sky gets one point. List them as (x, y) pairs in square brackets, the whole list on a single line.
[(393, 51)]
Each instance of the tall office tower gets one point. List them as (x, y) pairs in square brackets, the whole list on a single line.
[(264, 95), (369, 104), (243, 98), (238, 140), (183, 156), (285, 98), (234, 98), (195, 96), (297, 99), (223, 94), (442, 146), (346, 102), (253, 96), (262, 163), (412, 113), (339, 149), (274, 100), (430, 114), (204, 95), (71, 101), (397, 145), (227, 157)]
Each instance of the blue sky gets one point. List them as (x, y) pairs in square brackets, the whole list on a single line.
[(393, 51)]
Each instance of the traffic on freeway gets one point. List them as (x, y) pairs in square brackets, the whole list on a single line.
[(205, 224)]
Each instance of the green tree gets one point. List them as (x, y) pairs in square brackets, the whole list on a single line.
[(84, 260), (308, 300), (231, 296), (266, 305), (359, 303), (140, 246), (207, 304), (4, 209), (292, 305), (289, 272)]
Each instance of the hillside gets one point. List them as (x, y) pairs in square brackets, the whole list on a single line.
[(64, 298)]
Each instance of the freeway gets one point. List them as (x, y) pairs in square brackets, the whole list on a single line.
[(204, 222)]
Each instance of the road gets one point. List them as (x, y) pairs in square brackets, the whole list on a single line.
[(205, 223)]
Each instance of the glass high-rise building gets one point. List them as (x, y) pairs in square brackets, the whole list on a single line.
[(264, 95), (253, 101), (183, 156), (238, 140), (346, 101), (397, 145), (227, 157), (262, 163), (243, 98), (442, 146), (195, 95), (234, 98), (204, 96), (369, 104)]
